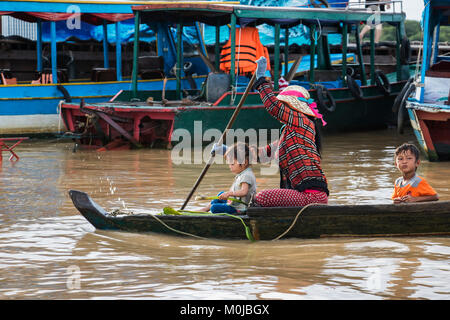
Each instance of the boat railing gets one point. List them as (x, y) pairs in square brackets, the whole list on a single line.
[(396, 5)]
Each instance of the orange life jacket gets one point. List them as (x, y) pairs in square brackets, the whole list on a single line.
[(248, 49)]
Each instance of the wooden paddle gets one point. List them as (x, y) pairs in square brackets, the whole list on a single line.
[(205, 59), (293, 70), (228, 127)]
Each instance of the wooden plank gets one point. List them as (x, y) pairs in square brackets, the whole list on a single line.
[(357, 210), (434, 116), (113, 124)]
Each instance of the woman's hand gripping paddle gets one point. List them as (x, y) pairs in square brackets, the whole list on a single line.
[(230, 124)]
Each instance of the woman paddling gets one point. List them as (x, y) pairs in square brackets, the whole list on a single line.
[(298, 149)]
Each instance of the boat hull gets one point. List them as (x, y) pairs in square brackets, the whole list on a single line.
[(418, 219), (27, 109), (431, 125)]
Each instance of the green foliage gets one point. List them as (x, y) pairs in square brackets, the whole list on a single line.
[(413, 31), (444, 35)]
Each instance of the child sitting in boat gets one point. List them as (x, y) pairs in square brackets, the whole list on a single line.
[(410, 187), (238, 158)]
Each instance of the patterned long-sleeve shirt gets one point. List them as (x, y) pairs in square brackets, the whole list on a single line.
[(299, 160)]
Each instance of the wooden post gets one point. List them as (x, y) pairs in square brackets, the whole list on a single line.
[(362, 68), (217, 48), (286, 52), (312, 35), (39, 45), (233, 51), (53, 50), (436, 43), (372, 56), (276, 67), (134, 83), (344, 50), (425, 54), (179, 58), (118, 53), (105, 45)]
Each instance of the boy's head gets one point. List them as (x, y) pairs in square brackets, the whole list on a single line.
[(407, 158)]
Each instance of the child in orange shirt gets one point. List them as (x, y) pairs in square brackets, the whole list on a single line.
[(410, 187)]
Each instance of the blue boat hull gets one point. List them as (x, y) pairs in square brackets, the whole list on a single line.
[(27, 109)]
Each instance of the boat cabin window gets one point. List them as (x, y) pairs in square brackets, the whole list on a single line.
[(103, 74), (45, 77), (151, 67), (6, 77), (439, 70)]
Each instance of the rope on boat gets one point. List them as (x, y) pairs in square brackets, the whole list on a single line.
[(247, 230), (170, 211), (293, 222), (175, 230)]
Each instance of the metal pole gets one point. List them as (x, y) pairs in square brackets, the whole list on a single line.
[(53, 50), (105, 45), (276, 67), (217, 48), (426, 50), (233, 51), (436, 43), (312, 35), (361, 59), (397, 53), (372, 56), (118, 53), (344, 50), (39, 45), (179, 58), (135, 55), (286, 52)]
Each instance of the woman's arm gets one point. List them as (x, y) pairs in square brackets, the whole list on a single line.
[(277, 109)]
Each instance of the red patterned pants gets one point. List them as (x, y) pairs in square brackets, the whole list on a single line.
[(289, 198)]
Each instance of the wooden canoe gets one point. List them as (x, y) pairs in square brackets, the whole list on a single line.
[(415, 219)]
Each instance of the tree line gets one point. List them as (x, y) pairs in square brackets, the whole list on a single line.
[(413, 31)]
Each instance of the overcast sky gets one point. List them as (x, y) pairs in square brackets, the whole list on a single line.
[(413, 9)]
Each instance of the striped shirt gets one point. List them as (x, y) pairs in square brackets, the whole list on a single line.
[(298, 157)]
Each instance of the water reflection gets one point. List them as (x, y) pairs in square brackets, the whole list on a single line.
[(43, 239)]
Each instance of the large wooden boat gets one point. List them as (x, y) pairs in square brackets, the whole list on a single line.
[(30, 107), (415, 219), (429, 108), (142, 117)]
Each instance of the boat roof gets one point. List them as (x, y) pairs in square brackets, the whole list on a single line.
[(90, 11), (433, 3), (440, 9), (91, 18), (220, 14)]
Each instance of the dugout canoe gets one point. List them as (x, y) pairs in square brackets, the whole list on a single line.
[(414, 219)]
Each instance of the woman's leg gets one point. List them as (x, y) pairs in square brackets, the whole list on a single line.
[(289, 198)]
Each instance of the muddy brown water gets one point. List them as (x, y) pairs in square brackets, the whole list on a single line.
[(49, 251)]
